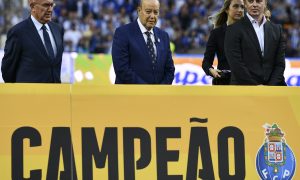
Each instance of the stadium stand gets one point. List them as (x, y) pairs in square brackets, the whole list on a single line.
[(89, 24)]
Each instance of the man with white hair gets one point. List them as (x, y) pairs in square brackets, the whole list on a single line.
[(34, 47)]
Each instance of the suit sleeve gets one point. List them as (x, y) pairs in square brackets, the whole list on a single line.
[(10, 61), (209, 54), (169, 66), (279, 66), (121, 62), (233, 53)]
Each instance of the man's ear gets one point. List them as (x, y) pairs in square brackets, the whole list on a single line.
[(139, 10)]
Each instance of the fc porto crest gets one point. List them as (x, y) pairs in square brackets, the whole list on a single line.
[(275, 159)]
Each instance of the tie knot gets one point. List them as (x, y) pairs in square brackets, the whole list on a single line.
[(148, 33), (44, 28)]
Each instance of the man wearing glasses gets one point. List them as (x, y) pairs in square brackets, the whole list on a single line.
[(34, 47)]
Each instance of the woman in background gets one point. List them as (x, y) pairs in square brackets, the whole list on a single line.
[(232, 11)]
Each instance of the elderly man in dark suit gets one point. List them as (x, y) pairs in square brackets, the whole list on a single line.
[(255, 48), (141, 52), (34, 47)]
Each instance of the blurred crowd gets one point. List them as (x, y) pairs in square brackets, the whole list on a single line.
[(89, 24)]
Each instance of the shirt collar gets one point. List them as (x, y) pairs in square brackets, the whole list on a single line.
[(38, 25), (252, 20), (142, 27)]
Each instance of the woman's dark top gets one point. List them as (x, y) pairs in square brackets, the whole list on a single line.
[(215, 45)]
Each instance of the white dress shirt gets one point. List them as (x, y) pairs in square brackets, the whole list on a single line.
[(39, 29), (259, 29), (143, 30)]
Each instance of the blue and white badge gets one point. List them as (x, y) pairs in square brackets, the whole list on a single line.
[(275, 160)]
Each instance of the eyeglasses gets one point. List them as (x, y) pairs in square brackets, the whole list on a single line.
[(47, 5)]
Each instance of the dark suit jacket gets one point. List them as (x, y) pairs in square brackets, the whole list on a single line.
[(248, 65), (215, 44), (132, 62), (25, 57)]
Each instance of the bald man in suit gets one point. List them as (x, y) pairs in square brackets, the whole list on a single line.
[(141, 52)]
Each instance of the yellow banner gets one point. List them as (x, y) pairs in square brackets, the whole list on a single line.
[(148, 132)]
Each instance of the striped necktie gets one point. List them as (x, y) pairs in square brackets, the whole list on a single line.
[(150, 47)]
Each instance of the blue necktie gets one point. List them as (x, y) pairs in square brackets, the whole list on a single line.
[(48, 45), (150, 47)]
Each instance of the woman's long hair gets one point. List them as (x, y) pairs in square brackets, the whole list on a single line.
[(267, 14), (221, 17)]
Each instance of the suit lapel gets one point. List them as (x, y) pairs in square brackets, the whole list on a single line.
[(157, 43), (141, 40), (56, 34), (267, 38), (36, 38), (252, 34)]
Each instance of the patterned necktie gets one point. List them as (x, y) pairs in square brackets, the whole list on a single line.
[(150, 47), (48, 45)]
